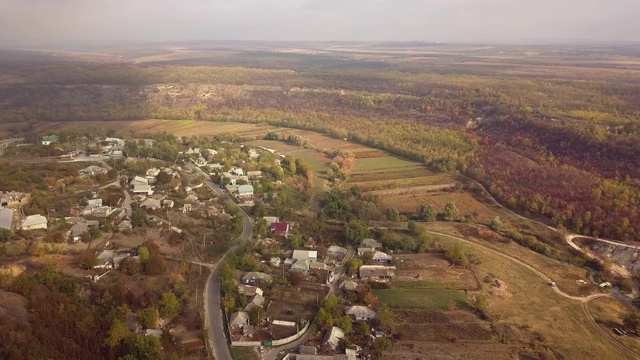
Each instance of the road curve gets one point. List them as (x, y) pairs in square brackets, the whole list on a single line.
[(214, 316)]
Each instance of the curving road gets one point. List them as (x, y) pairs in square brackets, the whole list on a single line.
[(214, 316)]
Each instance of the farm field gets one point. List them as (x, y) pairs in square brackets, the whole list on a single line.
[(450, 350), (421, 299), (387, 163), (431, 271)]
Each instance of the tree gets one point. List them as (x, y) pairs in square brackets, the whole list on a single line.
[(139, 218), (632, 322), (355, 231), (457, 255), (169, 304), (496, 224), (330, 303), (118, 332), (346, 324), (382, 344), (226, 271), (295, 278), (254, 316), (5, 235), (352, 265), (451, 212), (324, 319), (87, 259), (143, 347), (413, 227), (392, 214), (426, 212), (130, 266), (364, 328), (148, 317)]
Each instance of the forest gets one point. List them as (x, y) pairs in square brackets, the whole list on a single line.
[(562, 144)]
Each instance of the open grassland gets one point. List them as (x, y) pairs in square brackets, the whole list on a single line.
[(421, 299), (565, 275), (527, 301), (383, 163), (608, 313), (408, 203)]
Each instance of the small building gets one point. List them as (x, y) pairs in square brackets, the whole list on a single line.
[(254, 276), (332, 337), (125, 225), (381, 257), (279, 228), (249, 290), (350, 285), (79, 229), (305, 255), (138, 180), (167, 203), (190, 199), (270, 220), (301, 265), (245, 191), (186, 208), (377, 272), (34, 222), (239, 319), (360, 312), (317, 265), (362, 251), (275, 262), (48, 140), (6, 219), (152, 332), (371, 243), (151, 204), (143, 189), (254, 174), (153, 172), (337, 251), (307, 350), (255, 302)]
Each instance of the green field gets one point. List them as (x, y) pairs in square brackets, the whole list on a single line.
[(421, 299), (423, 284), (243, 353), (379, 163)]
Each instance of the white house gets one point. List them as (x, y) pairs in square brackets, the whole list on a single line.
[(381, 257), (142, 189), (305, 255), (34, 222), (139, 180), (360, 312), (245, 191), (332, 337)]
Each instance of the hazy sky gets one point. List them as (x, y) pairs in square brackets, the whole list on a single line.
[(24, 22)]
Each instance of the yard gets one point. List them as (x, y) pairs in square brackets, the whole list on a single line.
[(294, 304), (431, 271)]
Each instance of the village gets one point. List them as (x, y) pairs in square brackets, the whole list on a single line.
[(276, 283)]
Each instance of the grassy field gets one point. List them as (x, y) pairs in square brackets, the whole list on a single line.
[(421, 299), (244, 353), (532, 304), (608, 313), (408, 203), (383, 163)]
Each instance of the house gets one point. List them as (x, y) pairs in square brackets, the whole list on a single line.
[(311, 243), (275, 262), (11, 198), (142, 189), (377, 272), (279, 228), (371, 243), (255, 302), (125, 225), (79, 229), (151, 204), (365, 250), (381, 257), (6, 218), (270, 220), (254, 174), (138, 180), (289, 262), (190, 199), (200, 161), (186, 208), (332, 337), (301, 265), (92, 171), (360, 312), (253, 276), (34, 222), (245, 191), (317, 265), (151, 179), (212, 152), (305, 255), (239, 319), (116, 154), (350, 285), (105, 259), (152, 332), (337, 251), (153, 172), (114, 141), (167, 203), (48, 140), (249, 290), (94, 202), (236, 171)]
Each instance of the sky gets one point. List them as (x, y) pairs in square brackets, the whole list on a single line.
[(33, 22)]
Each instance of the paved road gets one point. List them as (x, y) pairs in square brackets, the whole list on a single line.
[(214, 317)]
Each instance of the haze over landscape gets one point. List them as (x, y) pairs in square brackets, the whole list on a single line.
[(33, 22)]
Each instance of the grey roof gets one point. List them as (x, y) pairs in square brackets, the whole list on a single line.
[(239, 318), (332, 337), (6, 218)]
